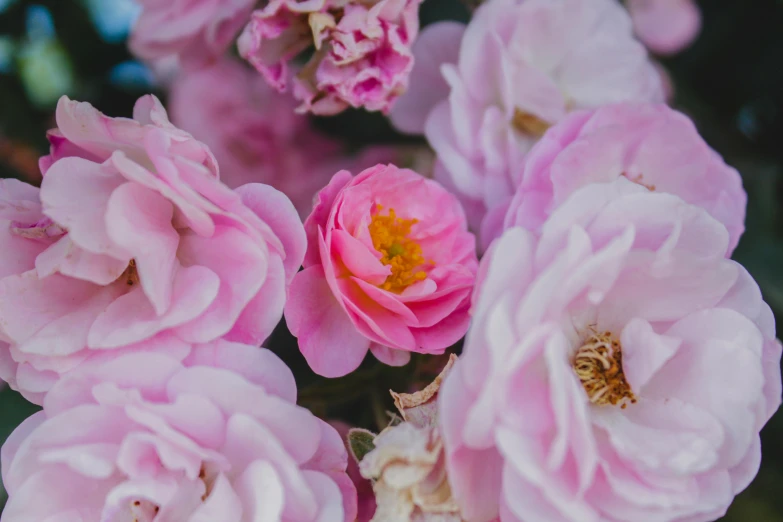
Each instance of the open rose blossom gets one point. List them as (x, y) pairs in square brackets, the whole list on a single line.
[(522, 65), (651, 145), (618, 368), (665, 26), (363, 50), (197, 31), (145, 437), (389, 267), (132, 239)]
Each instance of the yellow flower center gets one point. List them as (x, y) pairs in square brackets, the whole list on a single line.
[(403, 255), (599, 365)]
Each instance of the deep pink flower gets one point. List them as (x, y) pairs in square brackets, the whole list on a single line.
[(665, 26), (145, 437), (651, 145), (197, 31), (363, 51), (619, 367), (522, 66), (256, 136), (134, 240), (389, 267)]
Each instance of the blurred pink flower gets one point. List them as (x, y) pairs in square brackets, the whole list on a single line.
[(390, 267), (197, 31), (256, 136), (145, 438), (619, 367), (665, 26), (652, 145), (132, 240), (522, 65), (362, 59)]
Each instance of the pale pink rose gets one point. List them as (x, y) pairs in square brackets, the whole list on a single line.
[(389, 267), (134, 240), (618, 368), (145, 437), (197, 31), (522, 66), (256, 136), (363, 51), (665, 26), (651, 145)]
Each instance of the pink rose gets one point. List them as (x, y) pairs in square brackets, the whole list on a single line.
[(198, 31), (389, 267), (619, 367), (363, 51), (145, 438), (522, 65), (134, 240), (665, 26), (651, 145), (256, 136)]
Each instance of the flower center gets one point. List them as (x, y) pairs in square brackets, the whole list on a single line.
[(403, 255), (527, 123), (599, 365), (131, 275)]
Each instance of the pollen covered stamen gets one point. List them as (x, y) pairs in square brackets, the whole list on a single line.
[(403, 255), (599, 365)]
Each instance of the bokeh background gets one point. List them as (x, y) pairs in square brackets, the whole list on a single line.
[(730, 81)]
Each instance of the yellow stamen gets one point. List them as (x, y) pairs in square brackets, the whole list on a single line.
[(599, 365), (403, 255)]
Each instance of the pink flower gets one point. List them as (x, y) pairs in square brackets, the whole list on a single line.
[(131, 241), (198, 31), (389, 268), (619, 367), (256, 136), (522, 66), (651, 145), (145, 438), (665, 26), (362, 59)]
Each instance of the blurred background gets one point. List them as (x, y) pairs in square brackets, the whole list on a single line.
[(730, 81)]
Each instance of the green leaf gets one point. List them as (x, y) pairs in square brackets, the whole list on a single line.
[(361, 442)]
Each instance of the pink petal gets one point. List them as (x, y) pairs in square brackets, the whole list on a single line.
[(390, 356), (327, 337), (139, 221), (131, 318)]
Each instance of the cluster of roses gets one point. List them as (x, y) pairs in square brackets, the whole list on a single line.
[(618, 365)]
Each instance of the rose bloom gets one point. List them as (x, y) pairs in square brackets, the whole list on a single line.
[(519, 67), (389, 267), (363, 52), (197, 31), (619, 368), (144, 437), (256, 136), (651, 145), (665, 26), (132, 239)]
